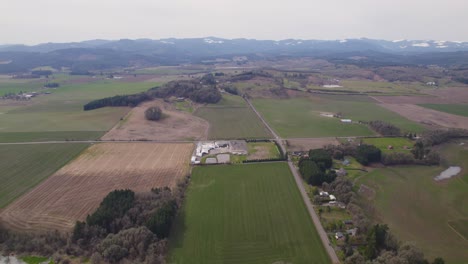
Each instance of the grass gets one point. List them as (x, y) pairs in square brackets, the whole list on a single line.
[(231, 118), (244, 214), (398, 144), (24, 166), (461, 227), (269, 148), (456, 109), (422, 211), (379, 88), (34, 259), (49, 136), (63, 110), (301, 117)]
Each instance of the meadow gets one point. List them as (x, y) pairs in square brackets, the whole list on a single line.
[(244, 214), (423, 211), (398, 144), (24, 166), (231, 118), (61, 112), (300, 117), (456, 109)]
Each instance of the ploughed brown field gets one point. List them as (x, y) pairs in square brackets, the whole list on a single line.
[(77, 189)]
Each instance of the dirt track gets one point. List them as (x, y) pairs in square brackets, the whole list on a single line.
[(77, 189), (177, 125), (427, 116)]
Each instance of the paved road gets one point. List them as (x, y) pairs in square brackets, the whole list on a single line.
[(323, 235)]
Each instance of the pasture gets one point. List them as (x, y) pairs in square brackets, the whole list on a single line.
[(300, 117), (423, 211), (378, 87), (76, 190), (456, 109), (262, 150), (24, 166), (244, 214), (231, 118), (398, 144), (62, 111)]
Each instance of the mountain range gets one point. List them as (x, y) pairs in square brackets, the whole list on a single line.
[(101, 54)]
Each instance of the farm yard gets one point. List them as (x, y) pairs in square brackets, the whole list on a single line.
[(302, 117), (417, 208), (175, 125), (232, 119), (76, 190), (244, 214), (24, 166)]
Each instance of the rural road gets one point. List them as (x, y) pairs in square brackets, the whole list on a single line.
[(323, 235)]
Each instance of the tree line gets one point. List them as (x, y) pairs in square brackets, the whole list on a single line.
[(127, 227), (196, 90)]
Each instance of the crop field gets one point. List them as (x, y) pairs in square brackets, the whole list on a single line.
[(411, 202), (310, 143), (76, 190), (378, 87), (232, 119), (244, 214), (456, 109), (301, 117), (398, 144), (49, 136), (24, 166)]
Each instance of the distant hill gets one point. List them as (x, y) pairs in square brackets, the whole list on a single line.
[(103, 54)]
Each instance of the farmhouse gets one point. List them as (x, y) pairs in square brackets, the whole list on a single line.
[(339, 235)]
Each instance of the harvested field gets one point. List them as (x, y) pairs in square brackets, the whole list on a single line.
[(428, 116), (306, 144), (77, 189), (176, 125), (435, 96)]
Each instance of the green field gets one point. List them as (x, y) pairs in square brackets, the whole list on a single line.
[(24, 166), (231, 118), (301, 117), (377, 88), (422, 211), (62, 111), (456, 109), (398, 144), (269, 149), (49, 136), (244, 214)]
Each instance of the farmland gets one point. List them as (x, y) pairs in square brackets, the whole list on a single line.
[(24, 166), (301, 117), (231, 119), (175, 125), (62, 111), (262, 150), (456, 109), (398, 144), (244, 214), (76, 190), (411, 202)]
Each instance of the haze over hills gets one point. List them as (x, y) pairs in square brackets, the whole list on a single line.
[(103, 54)]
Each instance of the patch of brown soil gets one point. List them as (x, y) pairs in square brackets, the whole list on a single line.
[(176, 125), (261, 152), (451, 95), (309, 143), (77, 189), (427, 116)]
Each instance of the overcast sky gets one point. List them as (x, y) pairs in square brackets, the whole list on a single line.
[(38, 21)]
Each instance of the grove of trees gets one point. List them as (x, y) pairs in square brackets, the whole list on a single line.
[(153, 113)]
